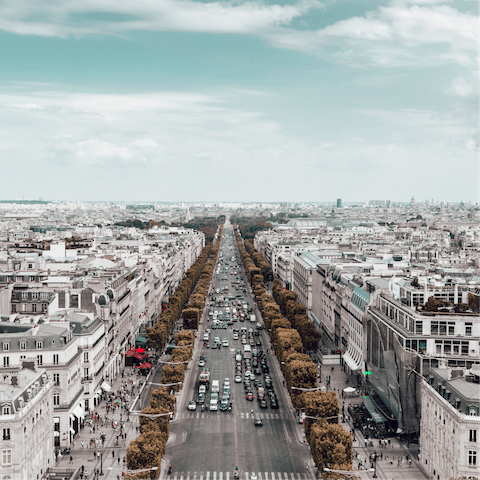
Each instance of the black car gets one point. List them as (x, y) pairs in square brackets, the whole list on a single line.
[(263, 404), (273, 404)]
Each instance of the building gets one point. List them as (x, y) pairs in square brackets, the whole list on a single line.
[(450, 423), (339, 203), (26, 419)]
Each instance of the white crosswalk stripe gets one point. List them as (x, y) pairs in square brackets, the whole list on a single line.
[(209, 475)]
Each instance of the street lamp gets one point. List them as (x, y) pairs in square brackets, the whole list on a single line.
[(306, 389), (165, 384), (173, 363), (152, 415), (348, 473), (101, 463), (133, 472)]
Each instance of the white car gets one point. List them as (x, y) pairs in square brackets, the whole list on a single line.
[(225, 342), (238, 379), (192, 405)]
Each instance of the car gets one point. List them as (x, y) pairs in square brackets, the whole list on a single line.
[(200, 399), (250, 397), (238, 378), (258, 342), (201, 363), (263, 404), (225, 342), (273, 404), (258, 423), (192, 405), (214, 345)]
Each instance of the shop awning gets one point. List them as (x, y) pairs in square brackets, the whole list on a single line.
[(372, 409), (140, 350), (106, 387), (96, 395), (139, 356), (78, 411), (72, 431), (72, 416), (147, 365), (141, 340), (130, 353), (56, 434), (350, 361)]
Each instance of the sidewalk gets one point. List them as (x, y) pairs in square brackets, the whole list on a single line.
[(109, 457), (393, 463)]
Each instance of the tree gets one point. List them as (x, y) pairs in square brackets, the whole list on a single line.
[(330, 446), (431, 305), (321, 405)]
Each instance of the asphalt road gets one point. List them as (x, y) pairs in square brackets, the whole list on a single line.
[(211, 444)]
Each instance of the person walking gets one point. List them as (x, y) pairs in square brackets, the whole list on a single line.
[(71, 459)]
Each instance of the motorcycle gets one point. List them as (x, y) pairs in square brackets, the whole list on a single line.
[(229, 408)]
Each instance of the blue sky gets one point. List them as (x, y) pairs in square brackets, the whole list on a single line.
[(239, 100)]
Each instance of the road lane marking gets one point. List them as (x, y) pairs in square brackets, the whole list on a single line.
[(287, 436)]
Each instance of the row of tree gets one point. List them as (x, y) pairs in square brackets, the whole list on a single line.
[(147, 450), (290, 330)]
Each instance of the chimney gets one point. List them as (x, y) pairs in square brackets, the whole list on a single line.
[(14, 381), (30, 365)]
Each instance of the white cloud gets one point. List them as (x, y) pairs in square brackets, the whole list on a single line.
[(392, 36), (66, 17)]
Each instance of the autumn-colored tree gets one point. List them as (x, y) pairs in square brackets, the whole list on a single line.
[(161, 398), (320, 405), (191, 318), (173, 374), (431, 305), (331, 446), (300, 374)]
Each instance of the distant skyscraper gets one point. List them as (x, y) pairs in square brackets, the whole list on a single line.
[(339, 203)]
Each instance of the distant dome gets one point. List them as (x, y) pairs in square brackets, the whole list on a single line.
[(111, 294), (103, 300)]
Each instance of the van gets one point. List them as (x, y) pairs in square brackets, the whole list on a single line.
[(215, 386)]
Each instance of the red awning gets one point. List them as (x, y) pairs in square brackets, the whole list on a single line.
[(139, 356), (130, 353), (144, 365), (140, 350)]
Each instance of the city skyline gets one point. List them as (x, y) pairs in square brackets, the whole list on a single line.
[(242, 101)]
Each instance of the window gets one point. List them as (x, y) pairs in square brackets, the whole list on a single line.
[(419, 327), (23, 345), (14, 308), (40, 359), (85, 357), (39, 344), (44, 307), (34, 307), (6, 361), (6, 410), (451, 328), (472, 457), (56, 399), (7, 457), (55, 359), (6, 434), (34, 295), (43, 295), (468, 328), (6, 347), (56, 379), (56, 424), (24, 295), (473, 410), (472, 437), (434, 327)]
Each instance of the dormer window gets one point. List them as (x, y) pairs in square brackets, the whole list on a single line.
[(23, 345), (6, 346), (39, 344), (5, 409), (473, 410)]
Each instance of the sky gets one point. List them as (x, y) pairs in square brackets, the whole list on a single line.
[(255, 101)]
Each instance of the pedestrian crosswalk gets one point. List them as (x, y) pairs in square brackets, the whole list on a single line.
[(241, 415), (241, 476)]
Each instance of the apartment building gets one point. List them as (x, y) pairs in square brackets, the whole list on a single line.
[(26, 419), (54, 348), (450, 423)]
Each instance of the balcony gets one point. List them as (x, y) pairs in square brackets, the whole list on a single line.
[(87, 379)]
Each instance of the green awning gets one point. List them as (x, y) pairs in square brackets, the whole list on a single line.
[(140, 341)]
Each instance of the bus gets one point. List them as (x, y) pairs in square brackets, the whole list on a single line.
[(247, 351)]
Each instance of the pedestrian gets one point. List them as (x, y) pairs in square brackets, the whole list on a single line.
[(118, 460), (71, 459), (113, 453), (94, 455)]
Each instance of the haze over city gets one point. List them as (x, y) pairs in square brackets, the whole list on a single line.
[(239, 101)]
